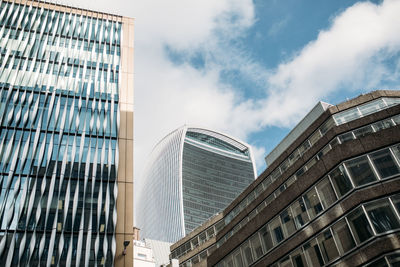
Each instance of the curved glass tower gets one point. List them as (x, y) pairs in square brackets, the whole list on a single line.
[(192, 174)]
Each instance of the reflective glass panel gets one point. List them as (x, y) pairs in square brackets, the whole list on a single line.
[(276, 229), (256, 246), (287, 222), (298, 258), (341, 180), (382, 216), (360, 226), (299, 213), (326, 193), (384, 163), (312, 203), (248, 256), (360, 171), (266, 237), (343, 236), (313, 254), (327, 246)]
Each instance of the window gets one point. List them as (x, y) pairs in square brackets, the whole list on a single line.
[(341, 181), (384, 163), (359, 226), (275, 226), (312, 203), (326, 193), (237, 256), (343, 236), (313, 254), (287, 222), (266, 237), (298, 258), (285, 262), (360, 171), (299, 213), (247, 253), (256, 246), (382, 216), (328, 246)]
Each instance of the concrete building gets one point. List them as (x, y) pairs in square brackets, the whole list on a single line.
[(66, 136), (143, 255), (329, 196), (192, 174)]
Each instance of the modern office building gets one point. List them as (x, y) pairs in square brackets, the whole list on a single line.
[(192, 174), (329, 196), (66, 136)]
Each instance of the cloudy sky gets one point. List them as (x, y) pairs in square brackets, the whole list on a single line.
[(252, 68)]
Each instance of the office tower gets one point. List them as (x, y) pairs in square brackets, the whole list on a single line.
[(329, 196), (66, 126), (191, 175)]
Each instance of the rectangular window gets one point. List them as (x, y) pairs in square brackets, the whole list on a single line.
[(276, 228), (363, 131), (313, 204), (343, 236), (328, 246), (385, 163), (382, 216), (266, 238), (360, 226), (247, 253), (298, 258), (285, 262), (313, 254), (299, 213), (237, 256), (360, 171), (341, 181), (287, 222), (256, 246), (326, 193)]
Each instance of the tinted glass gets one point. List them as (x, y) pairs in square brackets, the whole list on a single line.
[(384, 163), (298, 258), (313, 254), (288, 222), (312, 203), (343, 237), (341, 181), (266, 238), (299, 213), (382, 216), (276, 229), (326, 193), (327, 246), (359, 225), (360, 171)]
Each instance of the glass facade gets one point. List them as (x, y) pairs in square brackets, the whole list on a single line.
[(211, 178), (59, 123), (191, 175)]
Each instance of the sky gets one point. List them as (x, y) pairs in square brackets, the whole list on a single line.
[(252, 68)]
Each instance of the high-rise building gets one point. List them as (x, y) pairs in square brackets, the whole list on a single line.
[(66, 136), (329, 196), (192, 174)]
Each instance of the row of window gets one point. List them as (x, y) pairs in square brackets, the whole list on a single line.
[(354, 173), (357, 133), (62, 69), (61, 23), (337, 119), (30, 110), (196, 241), (345, 137), (362, 224), (19, 151), (24, 256), (87, 93), (389, 260)]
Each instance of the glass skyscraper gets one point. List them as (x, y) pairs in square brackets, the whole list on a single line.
[(66, 136), (192, 174)]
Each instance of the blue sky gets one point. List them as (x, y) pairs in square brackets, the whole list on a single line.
[(252, 68)]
